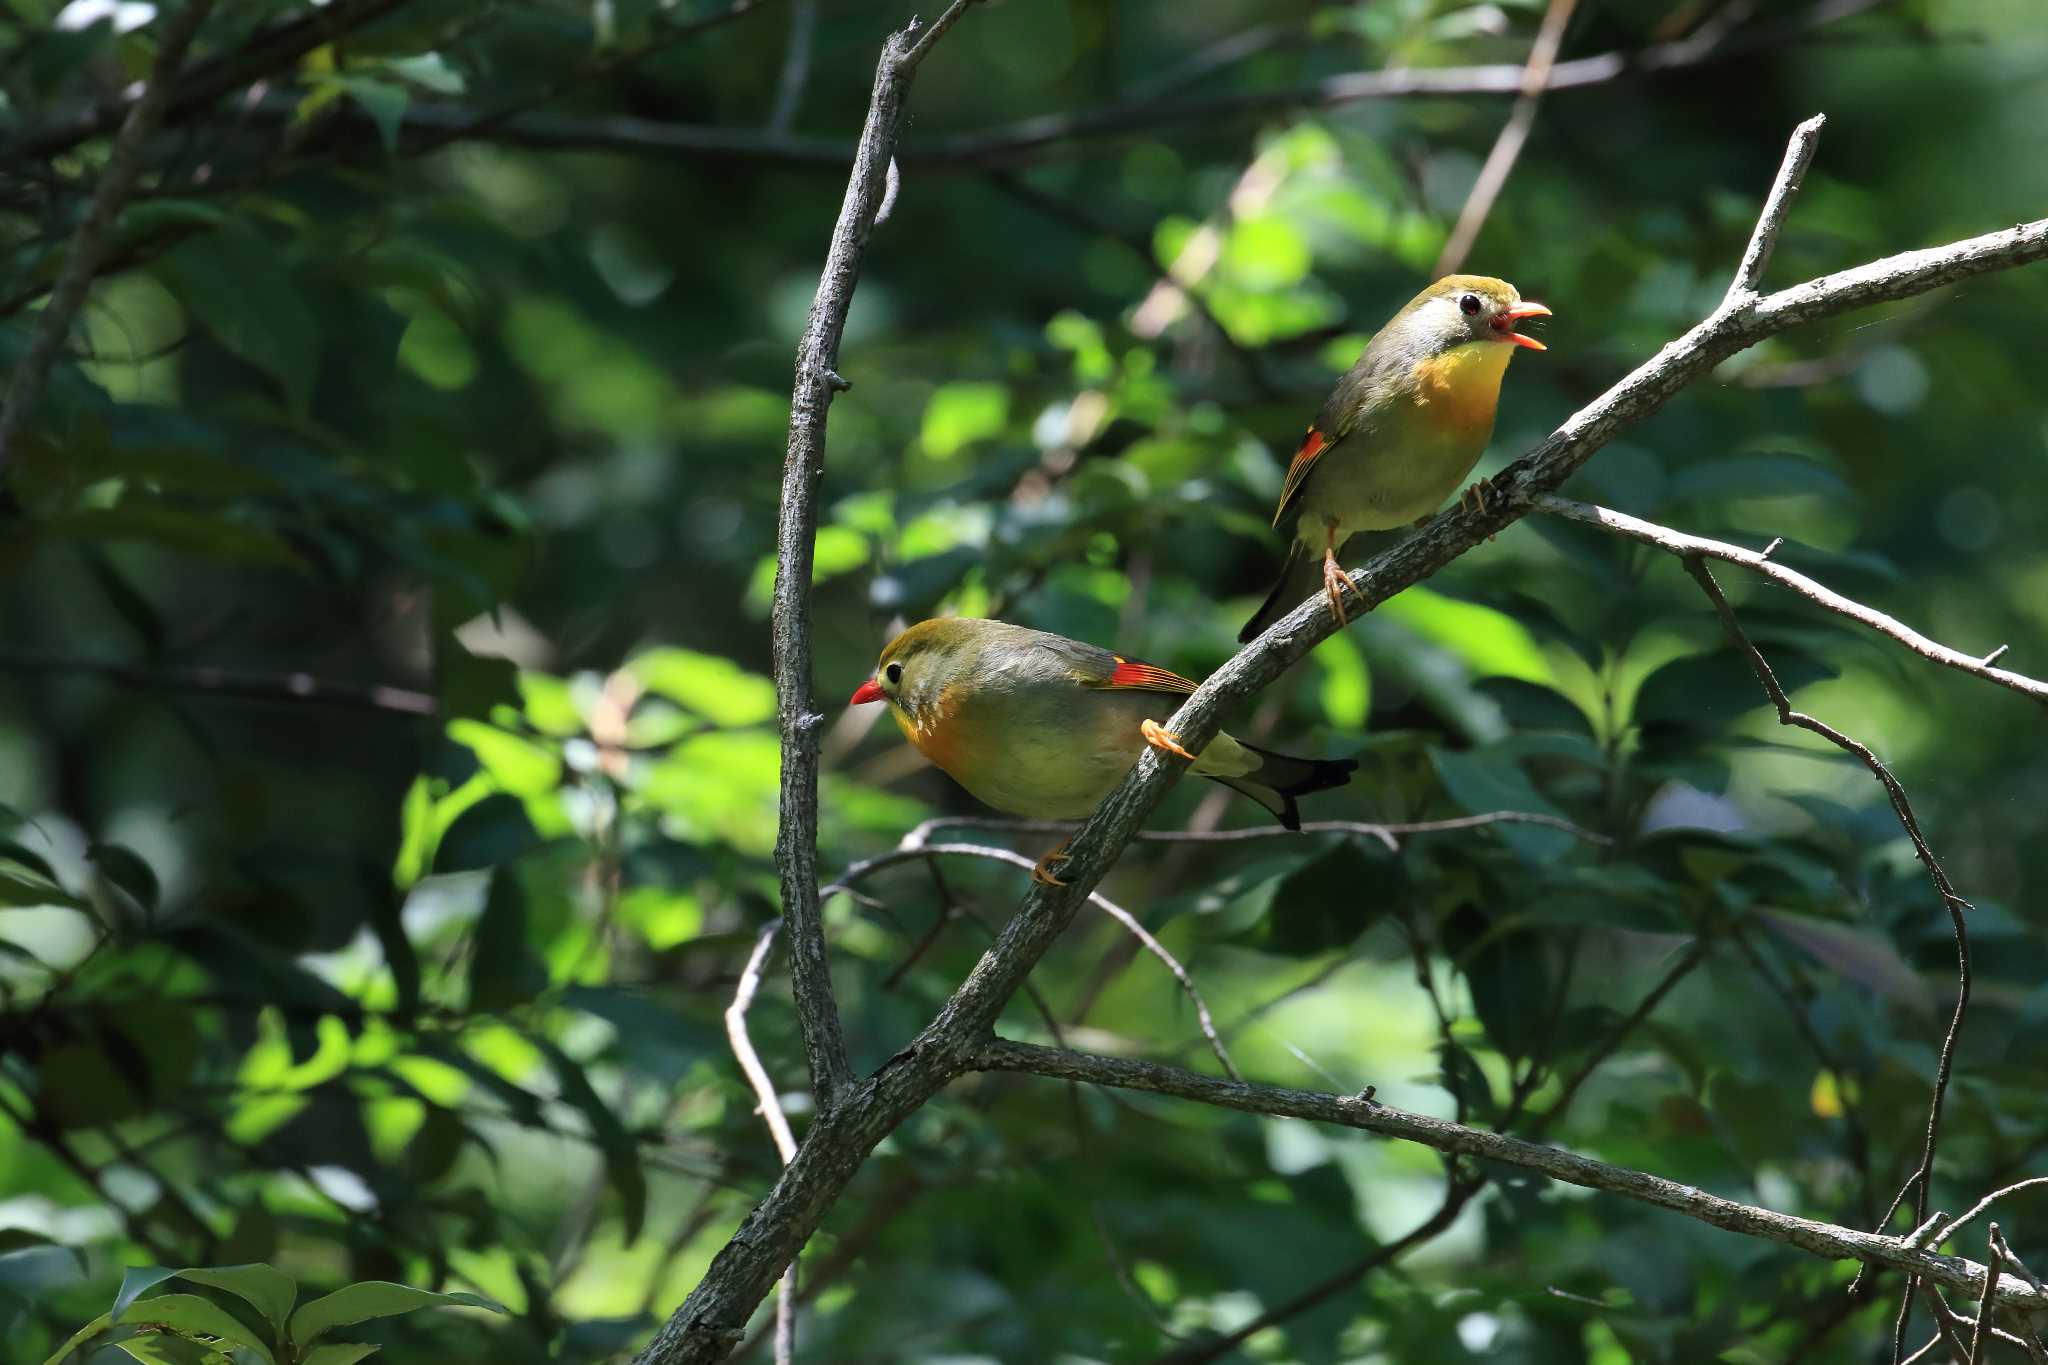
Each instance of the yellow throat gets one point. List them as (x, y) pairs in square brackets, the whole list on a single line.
[(1461, 387)]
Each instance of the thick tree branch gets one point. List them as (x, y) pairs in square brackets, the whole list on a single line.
[(81, 262), (1822, 1239), (817, 380), (1759, 561), (705, 1327)]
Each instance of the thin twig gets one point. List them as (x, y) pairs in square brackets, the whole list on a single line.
[(1680, 969), (1507, 147), (1918, 1182), (1777, 204), (771, 1113), (1682, 545), (1152, 945), (1388, 834), (817, 381), (1219, 1348), (796, 65), (116, 182), (252, 684), (1993, 1264), (1982, 1204), (2018, 1266)]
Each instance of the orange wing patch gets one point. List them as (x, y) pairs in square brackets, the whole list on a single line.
[(1146, 677), (1311, 446)]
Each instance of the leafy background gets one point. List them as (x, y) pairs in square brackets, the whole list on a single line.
[(370, 993)]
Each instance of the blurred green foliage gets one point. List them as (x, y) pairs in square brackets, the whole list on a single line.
[(291, 973)]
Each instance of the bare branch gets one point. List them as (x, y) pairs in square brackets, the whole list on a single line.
[(796, 65), (771, 1113), (1507, 148), (817, 366), (1777, 204), (1683, 545), (253, 684), (1917, 1183), (1992, 1265), (1986, 1202), (1612, 1042), (1211, 1349), (1387, 834), (1822, 1239), (1101, 902), (116, 182)]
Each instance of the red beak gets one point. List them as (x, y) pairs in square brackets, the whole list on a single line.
[(1504, 323), (866, 692)]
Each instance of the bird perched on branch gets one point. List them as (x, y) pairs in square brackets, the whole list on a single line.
[(1401, 430), (1042, 726)]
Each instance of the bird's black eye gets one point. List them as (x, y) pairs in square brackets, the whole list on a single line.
[(894, 673), (1469, 305)]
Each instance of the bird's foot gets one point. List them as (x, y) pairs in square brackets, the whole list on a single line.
[(1478, 497), (1335, 583), (1041, 871), (1159, 737)]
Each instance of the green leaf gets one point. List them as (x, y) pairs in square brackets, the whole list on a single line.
[(236, 284), (80, 1337), (716, 688), (1483, 781), (134, 1282), (373, 1299), (519, 766), (268, 1290), (384, 102), (1333, 900), (960, 414), (190, 1316), (338, 1353), (157, 1348), (621, 1154)]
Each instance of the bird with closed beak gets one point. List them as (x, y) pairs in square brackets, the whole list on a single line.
[(1399, 433), (1042, 726)]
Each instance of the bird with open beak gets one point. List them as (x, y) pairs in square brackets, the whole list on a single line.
[(1042, 726), (1400, 432)]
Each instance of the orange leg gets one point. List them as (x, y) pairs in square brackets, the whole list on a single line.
[(1041, 872), (1476, 497), (1335, 580), (1159, 737)]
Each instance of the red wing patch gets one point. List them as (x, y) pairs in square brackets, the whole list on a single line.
[(1311, 446), (1146, 677)]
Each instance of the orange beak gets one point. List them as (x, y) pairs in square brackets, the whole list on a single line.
[(866, 692), (1505, 321)]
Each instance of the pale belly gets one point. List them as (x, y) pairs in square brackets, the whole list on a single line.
[(1369, 487), (1055, 757)]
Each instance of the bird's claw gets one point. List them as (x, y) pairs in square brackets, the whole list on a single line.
[(1159, 737), (1478, 497), (1041, 871), (1335, 583)]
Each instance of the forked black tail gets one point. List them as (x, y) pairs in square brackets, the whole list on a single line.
[(1282, 777)]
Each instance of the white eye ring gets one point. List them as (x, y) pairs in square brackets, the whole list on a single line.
[(894, 673), (1469, 305)]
